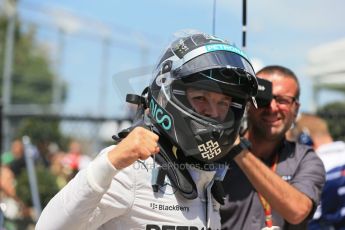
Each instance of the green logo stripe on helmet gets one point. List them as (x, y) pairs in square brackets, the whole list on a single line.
[(225, 47), (160, 115), (206, 49)]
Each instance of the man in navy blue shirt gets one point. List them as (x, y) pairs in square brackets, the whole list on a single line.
[(312, 130)]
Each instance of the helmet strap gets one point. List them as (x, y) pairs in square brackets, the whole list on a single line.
[(169, 165)]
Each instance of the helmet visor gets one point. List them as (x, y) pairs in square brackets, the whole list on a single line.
[(232, 82), (214, 60)]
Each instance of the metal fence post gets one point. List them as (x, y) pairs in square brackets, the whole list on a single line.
[(29, 153)]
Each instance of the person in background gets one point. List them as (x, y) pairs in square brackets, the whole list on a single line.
[(74, 160), (12, 208), (7, 182), (275, 184), (15, 158), (9, 207), (313, 130), (165, 171)]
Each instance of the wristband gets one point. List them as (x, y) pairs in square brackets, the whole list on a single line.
[(237, 149)]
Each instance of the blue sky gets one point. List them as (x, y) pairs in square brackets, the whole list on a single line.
[(278, 32)]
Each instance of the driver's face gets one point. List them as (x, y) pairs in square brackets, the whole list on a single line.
[(209, 104)]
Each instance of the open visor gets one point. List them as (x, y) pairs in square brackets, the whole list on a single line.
[(233, 82), (214, 60)]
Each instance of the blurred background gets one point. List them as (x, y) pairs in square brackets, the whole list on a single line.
[(66, 66)]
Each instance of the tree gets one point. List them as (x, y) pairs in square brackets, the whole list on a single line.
[(32, 78)]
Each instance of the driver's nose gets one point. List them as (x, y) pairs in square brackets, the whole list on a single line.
[(212, 111)]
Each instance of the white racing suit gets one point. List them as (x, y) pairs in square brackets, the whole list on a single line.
[(101, 197)]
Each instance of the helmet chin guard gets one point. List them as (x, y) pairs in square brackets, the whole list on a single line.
[(208, 65)]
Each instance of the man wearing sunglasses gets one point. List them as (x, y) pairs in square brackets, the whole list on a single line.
[(276, 184)]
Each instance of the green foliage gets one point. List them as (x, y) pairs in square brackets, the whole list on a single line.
[(32, 75), (32, 83), (42, 132), (334, 114), (32, 78), (39, 130), (47, 186)]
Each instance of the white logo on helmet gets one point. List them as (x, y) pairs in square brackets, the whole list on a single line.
[(209, 150)]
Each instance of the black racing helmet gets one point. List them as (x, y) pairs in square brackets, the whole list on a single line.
[(203, 63)]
